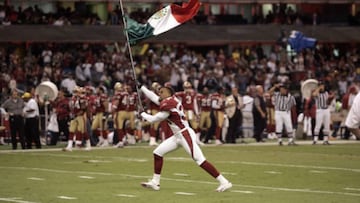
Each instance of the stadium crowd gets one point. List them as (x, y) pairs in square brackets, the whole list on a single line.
[(82, 68), (280, 14)]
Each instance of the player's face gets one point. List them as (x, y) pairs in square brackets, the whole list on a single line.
[(164, 93)]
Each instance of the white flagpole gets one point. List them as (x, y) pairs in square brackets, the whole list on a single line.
[(130, 55)]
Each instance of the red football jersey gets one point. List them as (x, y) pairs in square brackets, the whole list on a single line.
[(177, 119), (188, 99), (219, 100), (120, 101), (62, 108), (100, 102), (204, 102), (132, 101)]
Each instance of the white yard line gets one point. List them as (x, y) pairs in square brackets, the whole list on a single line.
[(316, 171), (186, 180), (242, 191), (291, 166), (86, 177), (190, 160), (184, 193), (35, 178), (125, 195), (98, 159), (334, 142), (14, 199), (67, 197), (353, 189), (181, 174), (229, 173), (273, 172)]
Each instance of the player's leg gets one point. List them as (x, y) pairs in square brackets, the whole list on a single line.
[(318, 123), (72, 130), (352, 122), (188, 141), (219, 124), (165, 147), (95, 128), (120, 128), (289, 129), (278, 126), (326, 130)]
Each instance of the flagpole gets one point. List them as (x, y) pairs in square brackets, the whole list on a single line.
[(130, 54)]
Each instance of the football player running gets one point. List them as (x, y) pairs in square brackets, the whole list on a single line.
[(172, 110)]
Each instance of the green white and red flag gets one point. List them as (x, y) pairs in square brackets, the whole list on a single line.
[(162, 21)]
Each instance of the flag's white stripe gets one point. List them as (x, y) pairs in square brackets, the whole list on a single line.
[(163, 21)]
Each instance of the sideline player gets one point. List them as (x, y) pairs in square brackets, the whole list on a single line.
[(189, 100), (172, 110), (353, 118)]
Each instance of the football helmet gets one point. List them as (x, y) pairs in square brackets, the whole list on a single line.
[(118, 86), (187, 85)]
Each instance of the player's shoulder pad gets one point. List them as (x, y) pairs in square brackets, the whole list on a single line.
[(167, 104)]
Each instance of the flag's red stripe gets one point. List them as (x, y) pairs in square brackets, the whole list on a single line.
[(186, 11)]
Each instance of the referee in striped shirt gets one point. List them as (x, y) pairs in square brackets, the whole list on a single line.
[(322, 98), (284, 101)]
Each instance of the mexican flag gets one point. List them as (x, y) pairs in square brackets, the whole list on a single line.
[(165, 19)]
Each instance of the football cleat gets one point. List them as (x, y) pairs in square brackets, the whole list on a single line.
[(292, 143), (218, 142), (326, 143), (224, 187), (119, 145), (67, 149), (151, 184)]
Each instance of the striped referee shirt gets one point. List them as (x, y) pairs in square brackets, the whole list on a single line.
[(322, 100), (284, 102)]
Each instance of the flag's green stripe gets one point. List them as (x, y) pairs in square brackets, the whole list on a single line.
[(137, 31)]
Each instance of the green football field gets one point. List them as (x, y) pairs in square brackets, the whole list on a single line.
[(260, 173)]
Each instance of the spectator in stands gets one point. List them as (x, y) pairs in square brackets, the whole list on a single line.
[(68, 83)]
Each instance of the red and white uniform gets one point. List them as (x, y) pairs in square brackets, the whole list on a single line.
[(172, 110), (353, 118)]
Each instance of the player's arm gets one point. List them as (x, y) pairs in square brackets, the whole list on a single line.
[(160, 116), (317, 90), (151, 95)]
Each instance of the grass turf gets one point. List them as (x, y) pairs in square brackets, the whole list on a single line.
[(268, 174)]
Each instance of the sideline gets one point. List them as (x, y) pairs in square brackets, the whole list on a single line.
[(187, 181), (270, 143)]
